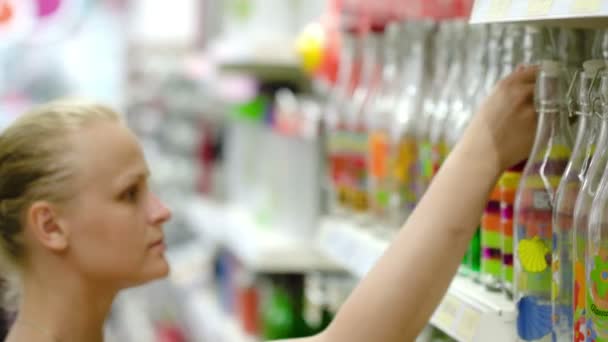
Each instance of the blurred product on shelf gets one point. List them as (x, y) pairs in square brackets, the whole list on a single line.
[(358, 116), (275, 306), (406, 127), (380, 146)]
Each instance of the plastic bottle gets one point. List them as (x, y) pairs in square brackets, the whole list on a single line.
[(596, 272), (335, 123), (358, 114), (565, 199), (381, 145), (534, 205)]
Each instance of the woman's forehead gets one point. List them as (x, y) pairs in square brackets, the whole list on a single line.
[(107, 151)]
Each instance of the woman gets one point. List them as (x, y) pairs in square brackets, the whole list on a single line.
[(78, 222)]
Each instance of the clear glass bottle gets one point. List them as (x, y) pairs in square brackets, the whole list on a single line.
[(585, 201), (471, 264), (534, 205), (335, 123), (565, 199), (381, 145), (534, 48), (403, 166), (596, 272), (491, 234), (358, 114), (440, 66), (450, 89)]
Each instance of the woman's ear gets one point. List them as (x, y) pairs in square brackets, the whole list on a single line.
[(45, 226)]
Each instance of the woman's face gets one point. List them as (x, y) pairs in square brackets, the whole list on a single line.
[(115, 221)]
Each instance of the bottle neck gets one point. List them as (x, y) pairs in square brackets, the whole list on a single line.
[(372, 56)]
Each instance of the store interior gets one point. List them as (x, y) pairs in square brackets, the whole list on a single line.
[(292, 139)]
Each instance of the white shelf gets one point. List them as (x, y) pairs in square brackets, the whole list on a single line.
[(262, 249), (468, 311), (581, 13), (211, 322)]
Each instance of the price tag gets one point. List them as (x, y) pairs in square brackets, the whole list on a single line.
[(586, 6), (469, 321), (447, 312), (498, 9), (539, 8)]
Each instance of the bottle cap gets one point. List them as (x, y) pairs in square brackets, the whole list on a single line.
[(550, 67), (592, 66)]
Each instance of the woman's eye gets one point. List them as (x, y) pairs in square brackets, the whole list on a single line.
[(131, 194)]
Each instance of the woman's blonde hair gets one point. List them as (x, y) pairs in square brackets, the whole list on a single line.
[(35, 165)]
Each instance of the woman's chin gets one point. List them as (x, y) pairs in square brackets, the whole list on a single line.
[(153, 271)]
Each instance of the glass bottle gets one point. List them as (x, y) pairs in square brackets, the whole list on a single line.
[(534, 204), (403, 166), (358, 114), (449, 90), (441, 62), (596, 272), (585, 201), (380, 123), (491, 234), (534, 48), (565, 199), (335, 122), (471, 263)]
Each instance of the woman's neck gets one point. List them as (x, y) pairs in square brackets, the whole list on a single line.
[(62, 307)]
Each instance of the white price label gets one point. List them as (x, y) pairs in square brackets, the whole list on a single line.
[(586, 6), (447, 312), (539, 8), (498, 9), (469, 321)]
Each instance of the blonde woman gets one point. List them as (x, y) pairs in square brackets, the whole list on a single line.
[(78, 222)]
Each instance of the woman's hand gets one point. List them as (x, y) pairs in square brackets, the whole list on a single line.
[(504, 127)]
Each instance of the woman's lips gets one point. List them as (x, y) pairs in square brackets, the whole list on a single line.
[(159, 244)]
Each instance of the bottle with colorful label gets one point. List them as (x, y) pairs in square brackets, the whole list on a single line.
[(381, 145), (507, 188), (566, 198), (335, 123), (534, 205), (534, 47), (491, 233), (357, 123), (594, 194), (404, 158)]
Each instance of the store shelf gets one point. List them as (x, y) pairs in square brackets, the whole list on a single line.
[(578, 13), (260, 248), (468, 311), (211, 322)]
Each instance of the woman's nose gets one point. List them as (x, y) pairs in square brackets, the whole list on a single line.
[(160, 213)]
